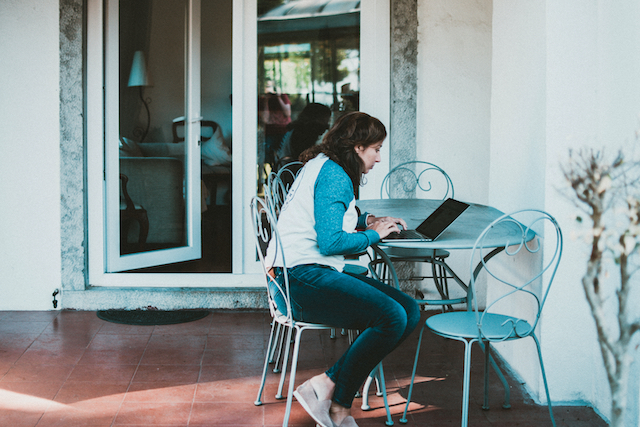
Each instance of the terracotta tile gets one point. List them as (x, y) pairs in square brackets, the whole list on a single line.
[(24, 401), (248, 342), (40, 356), (158, 391), (17, 341), (108, 328), (98, 391), (226, 414), (9, 327), (14, 418), (85, 413), (197, 327), (62, 341), (39, 389), (116, 374), (242, 390), (176, 374), (172, 356), (7, 359), (177, 341), (252, 359), (43, 373), (227, 372), (119, 342), (112, 357), (133, 412)]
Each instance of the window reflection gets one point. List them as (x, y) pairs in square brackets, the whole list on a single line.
[(308, 56)]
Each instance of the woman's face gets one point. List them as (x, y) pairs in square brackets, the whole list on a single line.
[(370, 155)]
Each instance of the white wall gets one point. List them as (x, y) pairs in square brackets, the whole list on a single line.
[(454, 87), (565, 75), (30, 161)]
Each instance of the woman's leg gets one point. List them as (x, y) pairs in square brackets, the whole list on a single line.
[(384, 315)]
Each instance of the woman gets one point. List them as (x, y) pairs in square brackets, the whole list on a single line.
[(317, 226)]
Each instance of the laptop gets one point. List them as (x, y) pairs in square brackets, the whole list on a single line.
[(435, 224)]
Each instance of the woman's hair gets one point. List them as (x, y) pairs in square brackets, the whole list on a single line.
[(349, 131)]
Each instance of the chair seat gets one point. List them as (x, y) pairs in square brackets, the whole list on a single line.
[(463, 324), (413, 253), (355, 269)]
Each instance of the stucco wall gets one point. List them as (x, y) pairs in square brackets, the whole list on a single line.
[(564, 76), (30, 161)]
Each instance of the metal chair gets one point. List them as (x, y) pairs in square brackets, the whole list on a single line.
[(417, 179), (265, 230), (514, 301), (278, 185)]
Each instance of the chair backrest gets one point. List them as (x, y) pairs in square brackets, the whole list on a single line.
[(417, 179), (278, 185), (516, 289), (269, 245)]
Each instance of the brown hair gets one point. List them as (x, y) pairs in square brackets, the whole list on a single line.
[(349, 131)]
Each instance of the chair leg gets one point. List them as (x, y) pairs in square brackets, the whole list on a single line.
[(275, 338), (383, 387), (544, 379), (292, 376), (507, 393), (258, 401), (285, 362), (376, 375), (277, 366), (487, 356), (403, 420), (466, 381)]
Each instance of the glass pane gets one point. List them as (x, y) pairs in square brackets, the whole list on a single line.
[(217, 224), (308, 75), (152, 99)]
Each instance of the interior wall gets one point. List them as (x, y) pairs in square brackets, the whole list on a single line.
[(30, 258)]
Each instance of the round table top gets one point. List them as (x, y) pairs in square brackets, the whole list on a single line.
[(461, 234)]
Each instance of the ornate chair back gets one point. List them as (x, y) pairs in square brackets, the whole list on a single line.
[(416, 179), (517, 294), (279, 183)]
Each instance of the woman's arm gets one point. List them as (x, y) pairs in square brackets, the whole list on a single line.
[(332, 195)]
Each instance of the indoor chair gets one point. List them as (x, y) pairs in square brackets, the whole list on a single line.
[(422, 180), (130, 211), (265, 230), (514, 301)]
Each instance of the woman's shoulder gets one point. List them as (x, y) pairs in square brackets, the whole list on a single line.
[(333, 174)]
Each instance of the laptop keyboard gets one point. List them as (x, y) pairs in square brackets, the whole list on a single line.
[(405, 234)]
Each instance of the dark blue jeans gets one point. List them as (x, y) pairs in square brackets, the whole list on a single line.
[(384, 315)]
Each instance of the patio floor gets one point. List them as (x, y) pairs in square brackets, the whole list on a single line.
[(71, 368)]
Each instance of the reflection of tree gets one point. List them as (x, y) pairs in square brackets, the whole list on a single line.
[(328, 65), (265, 6), (294, 69)]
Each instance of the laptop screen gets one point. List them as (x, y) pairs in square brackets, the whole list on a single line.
[(441, 218)]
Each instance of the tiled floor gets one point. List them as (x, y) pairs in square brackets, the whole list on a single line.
[(73, 369)]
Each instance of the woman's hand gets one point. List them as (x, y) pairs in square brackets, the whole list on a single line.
[(385, 225)]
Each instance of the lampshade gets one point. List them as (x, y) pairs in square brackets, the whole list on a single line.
[(138, 75)]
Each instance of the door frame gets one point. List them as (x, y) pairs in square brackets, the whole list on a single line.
[(246, 271)]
